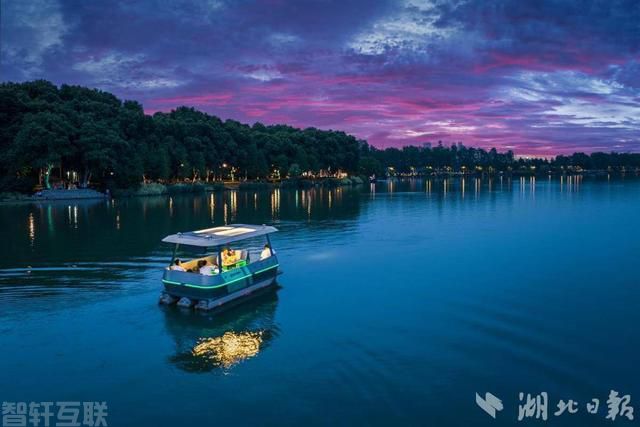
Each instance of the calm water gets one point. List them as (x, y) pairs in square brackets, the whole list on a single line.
[(397, 305)]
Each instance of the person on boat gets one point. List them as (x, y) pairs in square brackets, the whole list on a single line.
[(177, 266), (266, 252), (205, 269), (229, 256)]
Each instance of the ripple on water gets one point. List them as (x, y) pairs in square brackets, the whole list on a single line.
[(359, 371), (518, 331), (25, 289)]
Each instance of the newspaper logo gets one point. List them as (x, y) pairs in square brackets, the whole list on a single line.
[(490, 404)]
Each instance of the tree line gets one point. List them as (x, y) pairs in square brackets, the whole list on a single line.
[(88, 136), (459, 158), (49, 131)]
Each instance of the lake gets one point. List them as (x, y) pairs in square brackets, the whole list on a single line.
[(398, 303)]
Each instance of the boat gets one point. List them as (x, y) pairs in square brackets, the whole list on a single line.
[(229, 274)]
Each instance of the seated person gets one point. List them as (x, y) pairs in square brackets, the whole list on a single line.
[(266, 252), (205, 269), (229, 256), (177, 266)]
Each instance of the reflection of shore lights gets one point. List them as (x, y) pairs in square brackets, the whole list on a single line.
[(32, 228), (212, 207), (229, 349), (275, 203), (234, 204)]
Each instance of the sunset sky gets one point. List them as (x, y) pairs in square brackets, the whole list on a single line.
[(537, 77)]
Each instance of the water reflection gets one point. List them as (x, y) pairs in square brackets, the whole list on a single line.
[(32, 229), (212, 208), (233, 195), (57, 238), (220, 341), (118, 229), (275, 203), (229, 349), (452, 186)]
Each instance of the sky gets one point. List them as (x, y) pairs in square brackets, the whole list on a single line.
[(536, 77)]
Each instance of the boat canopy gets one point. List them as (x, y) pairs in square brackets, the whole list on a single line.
[(218, 236)]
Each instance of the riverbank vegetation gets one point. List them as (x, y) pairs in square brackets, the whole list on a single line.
[(75, 136)]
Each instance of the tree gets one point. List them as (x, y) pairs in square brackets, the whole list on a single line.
[(371, 166), (294, 170), (41, 143), (97, 147)]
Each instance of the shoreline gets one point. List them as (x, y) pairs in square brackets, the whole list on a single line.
[(157, 189)]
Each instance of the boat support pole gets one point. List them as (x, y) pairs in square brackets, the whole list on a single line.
[(269, 242), (173, 256)]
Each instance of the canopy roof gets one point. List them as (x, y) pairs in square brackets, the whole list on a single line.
[(218, 236)]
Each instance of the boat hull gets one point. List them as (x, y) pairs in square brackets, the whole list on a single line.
[(213, 291)]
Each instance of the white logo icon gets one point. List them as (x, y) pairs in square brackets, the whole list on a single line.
[(489, 404)]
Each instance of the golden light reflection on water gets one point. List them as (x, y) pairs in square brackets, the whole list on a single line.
[(229, 349), (32, 229), (275, 203), (234, 204), (212, 207)]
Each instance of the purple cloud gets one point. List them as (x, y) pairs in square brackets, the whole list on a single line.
[(537, 77)]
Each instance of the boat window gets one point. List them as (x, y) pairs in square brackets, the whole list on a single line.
[(248, 252)]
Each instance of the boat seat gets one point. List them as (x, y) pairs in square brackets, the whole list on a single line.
[(213, 259), (191, 264)]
